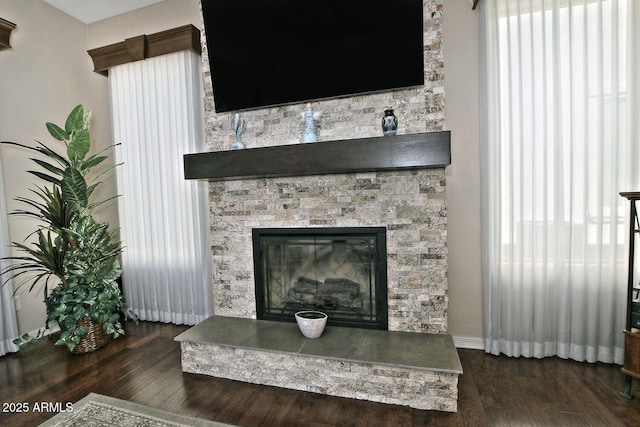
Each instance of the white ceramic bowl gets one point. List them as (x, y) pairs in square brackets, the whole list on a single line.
[(311, 323)]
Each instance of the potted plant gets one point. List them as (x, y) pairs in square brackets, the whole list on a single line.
[(73, 255)]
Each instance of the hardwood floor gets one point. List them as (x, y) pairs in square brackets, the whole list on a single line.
[(144, 367)]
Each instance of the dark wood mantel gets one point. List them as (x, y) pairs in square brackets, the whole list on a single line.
[(423, 150)]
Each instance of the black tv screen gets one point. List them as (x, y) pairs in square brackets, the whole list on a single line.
[(273, 52)]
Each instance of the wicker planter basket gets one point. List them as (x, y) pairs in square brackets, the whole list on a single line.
[(94, 339)]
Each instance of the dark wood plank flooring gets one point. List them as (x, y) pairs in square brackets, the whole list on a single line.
[(144, 367)]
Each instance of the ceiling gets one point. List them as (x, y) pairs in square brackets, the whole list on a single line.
[(89, 11)]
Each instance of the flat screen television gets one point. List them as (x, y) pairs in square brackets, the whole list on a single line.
[(273, 52)]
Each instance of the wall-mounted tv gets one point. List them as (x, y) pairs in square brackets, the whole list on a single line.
[(273, 52)]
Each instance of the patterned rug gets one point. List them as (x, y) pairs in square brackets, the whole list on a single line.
[(96, 410)]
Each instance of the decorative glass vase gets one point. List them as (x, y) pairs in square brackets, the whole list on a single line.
[(238, 126), (309, 117)]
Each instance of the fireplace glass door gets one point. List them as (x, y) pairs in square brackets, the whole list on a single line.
[(340, 271)]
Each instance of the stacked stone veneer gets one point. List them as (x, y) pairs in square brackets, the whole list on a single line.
[(411, 204), (416, 388)]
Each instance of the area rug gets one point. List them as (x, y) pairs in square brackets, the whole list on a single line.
[(96, 410)]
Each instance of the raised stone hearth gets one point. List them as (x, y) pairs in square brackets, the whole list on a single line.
[(416, 370)]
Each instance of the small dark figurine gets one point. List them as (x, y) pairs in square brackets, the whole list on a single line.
[(389, 123)]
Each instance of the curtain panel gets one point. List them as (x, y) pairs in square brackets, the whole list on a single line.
[(157, 118), (560, 142), (8, 321)]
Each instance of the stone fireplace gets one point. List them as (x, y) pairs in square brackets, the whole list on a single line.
[(408, 203)]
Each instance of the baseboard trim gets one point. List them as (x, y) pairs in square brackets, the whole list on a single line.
[(469, 342), (53, 328)]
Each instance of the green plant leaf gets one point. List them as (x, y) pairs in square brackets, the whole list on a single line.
[(57, 212), (51, 154), (74, 187), (80, 331), (93, 161), (75, 120), (57, 132), (79, 145), (48, 166), (46, 257), (45, 177)]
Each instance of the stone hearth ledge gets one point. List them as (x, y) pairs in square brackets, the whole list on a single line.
[(401, 368)]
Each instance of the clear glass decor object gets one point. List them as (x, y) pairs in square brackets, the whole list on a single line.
[(309, 117), (238, 126)]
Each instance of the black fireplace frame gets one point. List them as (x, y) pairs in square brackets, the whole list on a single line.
[(381, 291)]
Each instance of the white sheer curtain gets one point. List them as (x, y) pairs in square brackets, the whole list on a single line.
[(8, 322), (561, 141), (157, 117)]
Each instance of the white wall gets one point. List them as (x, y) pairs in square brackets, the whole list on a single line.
[(148, 20), (462, 88), (43, 76)]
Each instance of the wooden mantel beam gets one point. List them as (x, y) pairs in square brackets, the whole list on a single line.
[(423, 150)]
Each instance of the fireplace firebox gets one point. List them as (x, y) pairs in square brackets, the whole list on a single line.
[(340, 271)]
